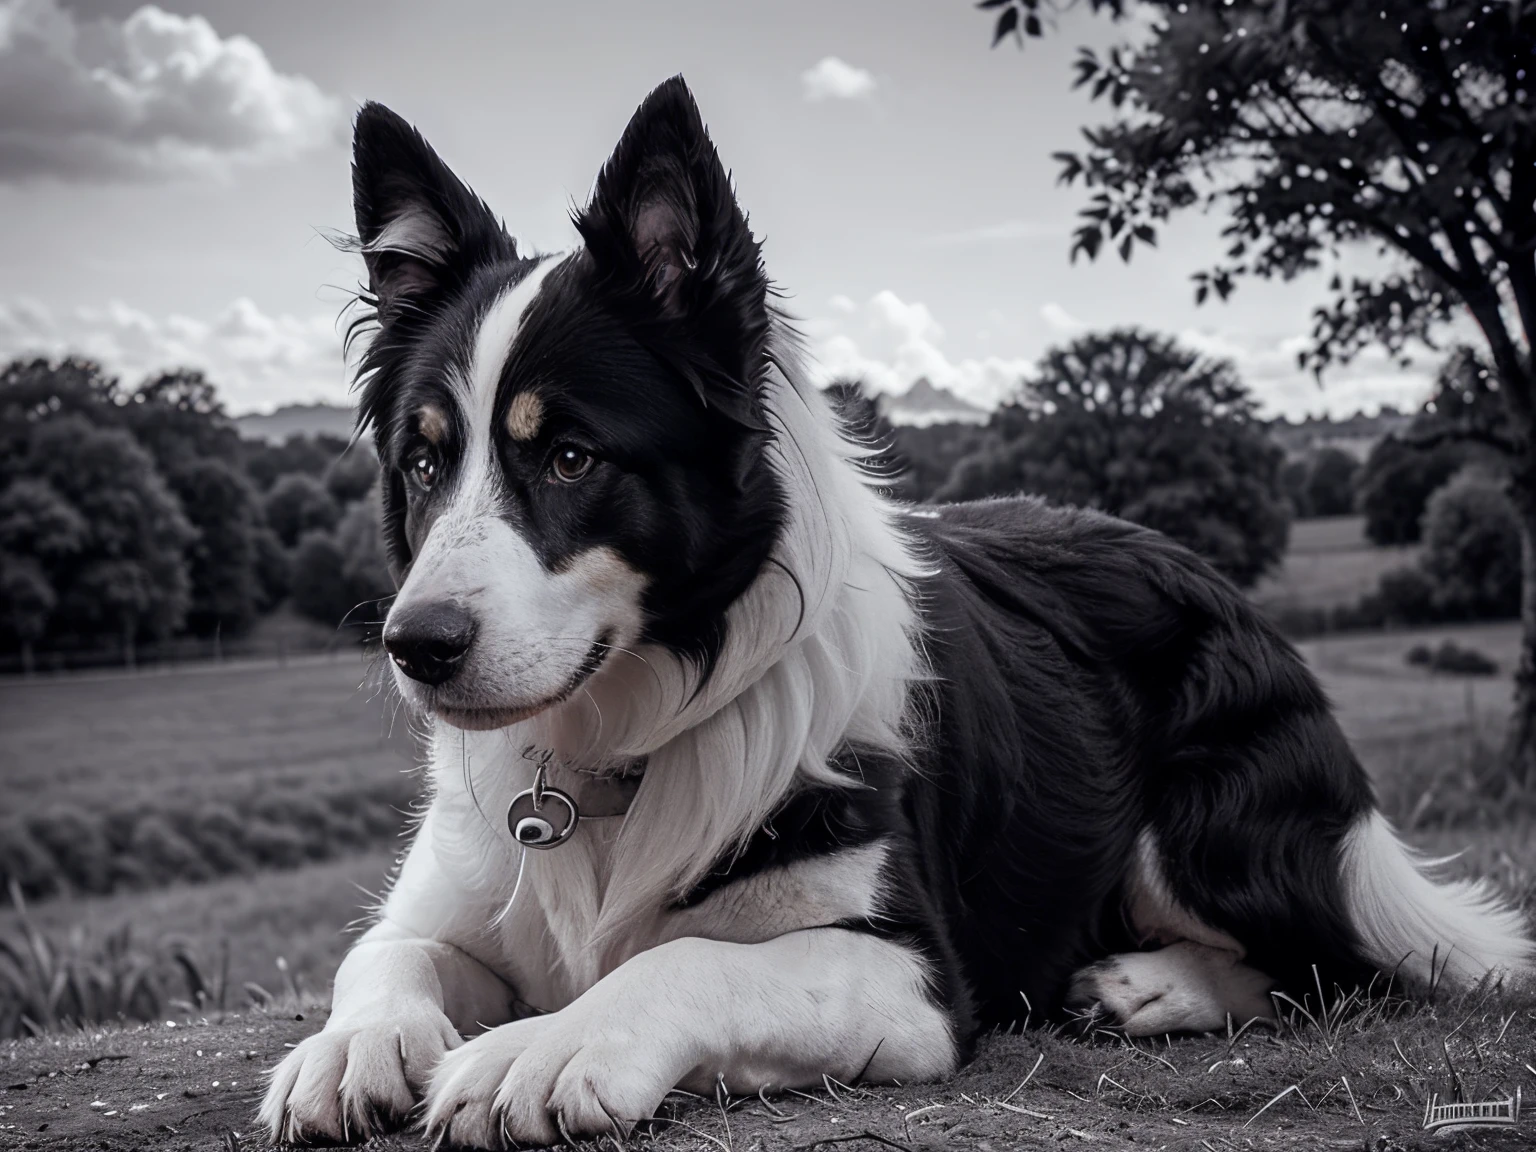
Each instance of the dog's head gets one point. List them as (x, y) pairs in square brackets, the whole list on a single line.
[(574, 446)]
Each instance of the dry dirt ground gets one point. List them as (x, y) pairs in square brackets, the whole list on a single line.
[(1359, 1083)]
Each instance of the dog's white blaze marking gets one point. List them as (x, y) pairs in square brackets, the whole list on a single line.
[(1186, 987), (1154, 912), (525, 415), (476, 395), (1406, 920), (534, 626), (818, 890)]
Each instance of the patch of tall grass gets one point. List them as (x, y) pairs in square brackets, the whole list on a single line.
[(49, 983)]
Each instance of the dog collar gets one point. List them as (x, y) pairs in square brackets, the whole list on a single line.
[(544, 816)]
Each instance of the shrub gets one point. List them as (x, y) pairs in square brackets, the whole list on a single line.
[(165, 853), (138, 847), (77, 842), (1396, 483), (1451, 657), (219, 833), (24, 861), (298, 504), (1329, 484), (274, 845), (1472, 549), (1405, 597)]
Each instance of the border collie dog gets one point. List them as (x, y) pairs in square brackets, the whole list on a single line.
[(857, 781)]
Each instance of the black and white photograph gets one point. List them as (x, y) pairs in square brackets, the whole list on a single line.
[(887, 575)]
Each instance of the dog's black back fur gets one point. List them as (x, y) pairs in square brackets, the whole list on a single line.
[(1092, 680), (1099, 680)]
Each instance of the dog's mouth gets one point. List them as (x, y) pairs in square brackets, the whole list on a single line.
[(486, 719)]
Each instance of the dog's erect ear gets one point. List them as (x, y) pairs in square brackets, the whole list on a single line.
[(664, 224), (420, 229)]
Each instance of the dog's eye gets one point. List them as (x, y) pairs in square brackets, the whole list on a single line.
[(571, 464), (422, 468)]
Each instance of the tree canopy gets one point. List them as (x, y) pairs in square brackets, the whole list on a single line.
[(1406, 127), (1137, 426)]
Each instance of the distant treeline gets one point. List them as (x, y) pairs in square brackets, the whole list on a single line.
[(131, 516), (1130, 424)]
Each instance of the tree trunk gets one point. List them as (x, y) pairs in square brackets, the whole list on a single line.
[(129, 627), (27, 666), (1520, 742)]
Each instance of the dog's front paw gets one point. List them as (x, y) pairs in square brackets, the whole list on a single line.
[(350, 1080), (550, 1078)]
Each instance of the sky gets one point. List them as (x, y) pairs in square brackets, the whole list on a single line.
[(168, 177)]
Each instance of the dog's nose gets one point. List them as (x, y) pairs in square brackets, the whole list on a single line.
[(428, 642)]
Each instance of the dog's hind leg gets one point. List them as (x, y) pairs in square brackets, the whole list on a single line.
[(1185, 987), (1195, 983)]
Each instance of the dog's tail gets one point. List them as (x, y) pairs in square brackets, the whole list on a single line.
[(1451, 934)]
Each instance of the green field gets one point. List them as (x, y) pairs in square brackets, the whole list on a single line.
[(1329, 564), (211, 731), (121, 782), (310, 727)]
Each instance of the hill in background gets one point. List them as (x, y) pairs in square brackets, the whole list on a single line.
[(297, 419)]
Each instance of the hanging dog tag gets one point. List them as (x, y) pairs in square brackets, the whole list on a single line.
[(541, 816)]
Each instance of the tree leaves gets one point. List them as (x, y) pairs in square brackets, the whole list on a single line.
[(1314, 126), (1006, 23), (1020, 18)]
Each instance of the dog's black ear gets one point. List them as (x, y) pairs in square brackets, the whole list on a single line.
[(421, 230), (664, 225)]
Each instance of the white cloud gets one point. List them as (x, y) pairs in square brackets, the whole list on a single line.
[(151, 95), (1058, 319), (257, 361), (888, 344), (1268, 365), (835, 79)]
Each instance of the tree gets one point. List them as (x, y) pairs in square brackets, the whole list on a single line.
[(337, 575), (1472, 549), (299, 503), (1330, 483), (1402, 471), (271, 568), (38, 527), (1135, 425), (129, 575), (1404, 126), (352, 475), (178, 417), (312, 455), (1396, 484), (29, 601), (223, 508)]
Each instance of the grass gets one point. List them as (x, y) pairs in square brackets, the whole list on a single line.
[(214, 732), (297, 919), (1329, 564), (1338, 1072), (133, 781), (1345, 1074)]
